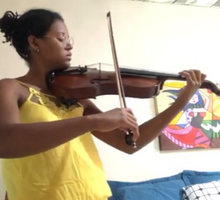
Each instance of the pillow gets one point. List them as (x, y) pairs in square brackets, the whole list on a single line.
[(194, 177), (169, 190), (115, 185), (203, 191)]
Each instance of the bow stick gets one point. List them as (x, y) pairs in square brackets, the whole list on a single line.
[(128, 133)]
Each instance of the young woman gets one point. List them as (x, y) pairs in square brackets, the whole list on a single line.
[(47, 149)]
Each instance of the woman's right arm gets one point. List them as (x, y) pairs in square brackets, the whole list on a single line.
[(19, 140)]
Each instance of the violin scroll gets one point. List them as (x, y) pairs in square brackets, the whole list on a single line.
[(215, 88)]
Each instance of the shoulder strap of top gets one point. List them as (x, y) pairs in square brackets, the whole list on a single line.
[(31, 90), (34, 91), (24, 84), (38, 94)]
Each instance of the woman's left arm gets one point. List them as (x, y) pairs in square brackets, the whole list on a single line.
[(148, 130), (152, 128)]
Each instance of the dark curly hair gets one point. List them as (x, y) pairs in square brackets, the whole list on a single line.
[(17, 28)]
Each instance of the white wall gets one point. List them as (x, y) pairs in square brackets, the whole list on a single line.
[(151, 36)]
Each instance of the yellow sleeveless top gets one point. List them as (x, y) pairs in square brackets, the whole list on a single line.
[(72, 171)]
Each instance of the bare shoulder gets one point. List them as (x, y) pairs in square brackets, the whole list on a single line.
[(10, 93), (8, 81), (9, 86)]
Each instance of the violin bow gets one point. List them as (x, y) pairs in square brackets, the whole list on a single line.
[(128, 134)]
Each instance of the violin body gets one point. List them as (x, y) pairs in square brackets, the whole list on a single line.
[(78, 83)]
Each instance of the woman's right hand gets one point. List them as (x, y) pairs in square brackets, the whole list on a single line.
[(121, 118)]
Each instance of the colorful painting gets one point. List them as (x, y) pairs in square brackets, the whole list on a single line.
[(197, 126)]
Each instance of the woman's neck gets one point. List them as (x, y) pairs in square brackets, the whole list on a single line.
[(35, 78)]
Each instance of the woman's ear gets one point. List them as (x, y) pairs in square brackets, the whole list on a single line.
[(33, 43)]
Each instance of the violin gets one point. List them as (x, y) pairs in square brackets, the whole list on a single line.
[(86, 82), (90, 81)]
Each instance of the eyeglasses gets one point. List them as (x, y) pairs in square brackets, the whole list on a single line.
[(63, 39)]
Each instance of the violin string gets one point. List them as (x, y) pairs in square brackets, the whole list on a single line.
[(103, 64)]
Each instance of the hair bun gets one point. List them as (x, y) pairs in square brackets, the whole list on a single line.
[(8, 24)]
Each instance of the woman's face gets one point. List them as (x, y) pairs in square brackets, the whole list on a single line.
[(54, 48)]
